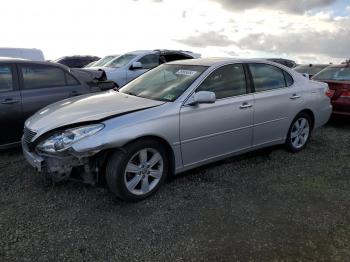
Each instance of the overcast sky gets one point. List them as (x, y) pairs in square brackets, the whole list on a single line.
[(304, 30)]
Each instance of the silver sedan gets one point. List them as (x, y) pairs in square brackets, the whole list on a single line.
[(175, 117)]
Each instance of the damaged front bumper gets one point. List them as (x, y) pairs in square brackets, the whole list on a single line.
[(60, 167), (33, 159)]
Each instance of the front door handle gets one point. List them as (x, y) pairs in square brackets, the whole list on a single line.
[(9, 101), (245, 105), (295, 96)]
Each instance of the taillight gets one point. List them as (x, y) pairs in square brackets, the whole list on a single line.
[(329, 92), (345, 94)]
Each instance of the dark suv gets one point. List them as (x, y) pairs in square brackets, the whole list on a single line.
[(27, 86), (76, 61)]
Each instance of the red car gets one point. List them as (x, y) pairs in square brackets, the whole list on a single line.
[(338, 79)]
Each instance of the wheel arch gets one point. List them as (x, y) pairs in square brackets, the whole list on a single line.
[(310, 113), (306, 111), (166, 145)]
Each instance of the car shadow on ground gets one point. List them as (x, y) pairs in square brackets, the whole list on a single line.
[(339, 122), (258, 155)]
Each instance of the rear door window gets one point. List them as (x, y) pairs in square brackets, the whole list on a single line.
[(6, 79), (40, 76), (268, 77)]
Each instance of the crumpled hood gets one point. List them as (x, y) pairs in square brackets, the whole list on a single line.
[(91, 107)]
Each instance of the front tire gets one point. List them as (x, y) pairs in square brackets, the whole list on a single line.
[(299, 133), (137, 171)]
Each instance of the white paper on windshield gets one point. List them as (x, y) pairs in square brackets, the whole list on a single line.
[(185, 72)]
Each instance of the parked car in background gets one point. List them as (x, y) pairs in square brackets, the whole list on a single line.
[(76, 61), (338, 79), (310, 69), (101, 62), (176, 117), (27, 86), (23, 53), (127, 67), (282, 61)]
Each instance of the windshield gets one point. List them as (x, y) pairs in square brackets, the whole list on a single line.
[(90, 64), (165, 83), (103, 61), (120, 61), (57, 59), (334, 73)]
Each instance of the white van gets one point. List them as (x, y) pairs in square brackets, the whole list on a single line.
[(24, 53)]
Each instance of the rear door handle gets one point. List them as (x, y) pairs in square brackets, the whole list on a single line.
[(295, 96), (245, 105), (9, 101)]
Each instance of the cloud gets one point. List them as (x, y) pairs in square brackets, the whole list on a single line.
[(326, 43), (156, 1), (292, 6), (211, 38), (232, 53)]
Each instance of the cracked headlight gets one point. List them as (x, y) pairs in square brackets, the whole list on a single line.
[(62, 140)]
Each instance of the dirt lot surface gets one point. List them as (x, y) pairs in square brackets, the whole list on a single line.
[(263, 206)]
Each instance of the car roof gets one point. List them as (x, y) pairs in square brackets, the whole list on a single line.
[(141, 52), (343, 65), (162, 51), (76, 57), (3, 58), (23, 61), (211, 61), (279, 59), (311, 65)]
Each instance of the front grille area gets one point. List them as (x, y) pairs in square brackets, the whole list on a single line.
[(28, 135)]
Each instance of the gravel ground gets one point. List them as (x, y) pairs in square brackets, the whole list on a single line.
[(262, 206)]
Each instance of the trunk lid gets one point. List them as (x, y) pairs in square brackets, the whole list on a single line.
[(338, 87)]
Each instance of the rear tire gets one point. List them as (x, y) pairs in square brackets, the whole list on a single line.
[(137, 171), (299, 133)]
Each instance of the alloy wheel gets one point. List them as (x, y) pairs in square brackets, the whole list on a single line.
[(300, 132), (143, 171)]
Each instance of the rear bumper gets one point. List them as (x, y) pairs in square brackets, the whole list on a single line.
[(322, 116), (341, 106)]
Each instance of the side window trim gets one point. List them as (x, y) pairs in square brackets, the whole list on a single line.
[(285, 74), (249, 79), (66, 73), (229, 97)]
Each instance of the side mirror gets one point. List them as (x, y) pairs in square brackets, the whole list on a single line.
[(202, 97), (136, 65)]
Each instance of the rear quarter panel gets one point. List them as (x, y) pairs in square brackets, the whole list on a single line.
[(318, 102)]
